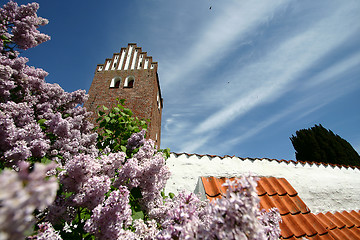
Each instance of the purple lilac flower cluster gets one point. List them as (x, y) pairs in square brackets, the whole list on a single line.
[(183, 217), (20, 23), (146, 170), (136, 140), (236, 216), (89, 177), (109, 219), (20, 194), (270, 220), (145, 230), (46, 232), (37, 119)]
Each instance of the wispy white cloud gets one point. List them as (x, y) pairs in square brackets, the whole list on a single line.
[(331, 74), (275, 72), (264, 79), (193, 144), (306, 106), (234, 20), (291, 113)]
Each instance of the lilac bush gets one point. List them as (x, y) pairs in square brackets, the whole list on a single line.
[(91, 186), (111, 184), (37, 119), (39, 122), (23, 23), (20, 194)]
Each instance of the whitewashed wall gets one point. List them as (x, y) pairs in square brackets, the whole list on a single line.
[(322, 188)]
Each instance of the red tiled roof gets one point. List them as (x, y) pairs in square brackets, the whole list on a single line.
[(268, 159), (297, 220), (344, 225)]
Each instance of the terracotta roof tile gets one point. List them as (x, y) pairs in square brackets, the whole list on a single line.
[(276, 192), (334, 219), (326, 222), (286, 232), (285, 204), (291, 238), (287, 186), (295, 226), (281, 187), (350, 234), (344, 219), (356, 231), (326, 236), (268, 186), (214, 186), (260, 189), (298, 221), (352, 218), (341, 225), (337, 234), (356, 215), (302, 225), (316, 224)]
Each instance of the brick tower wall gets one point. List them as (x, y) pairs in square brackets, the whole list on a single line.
[(143, 98)]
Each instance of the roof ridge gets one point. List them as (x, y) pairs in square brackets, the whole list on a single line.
[(296, 162)]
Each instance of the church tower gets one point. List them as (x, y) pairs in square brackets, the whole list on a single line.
[(129, 75)]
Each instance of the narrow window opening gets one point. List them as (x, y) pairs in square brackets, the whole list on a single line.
[(115, 82), (131, 84), (158, 101)]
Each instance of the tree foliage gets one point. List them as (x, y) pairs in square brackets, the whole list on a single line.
[(318, 144), (116, 126)]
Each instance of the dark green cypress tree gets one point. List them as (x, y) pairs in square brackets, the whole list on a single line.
[(317, 144)]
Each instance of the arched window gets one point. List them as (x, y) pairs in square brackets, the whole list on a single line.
[(115, 82), (129, 82)]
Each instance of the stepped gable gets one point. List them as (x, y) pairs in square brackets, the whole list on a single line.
[(130, 58)]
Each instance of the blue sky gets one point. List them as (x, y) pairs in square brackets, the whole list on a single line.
[(237, 79)]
